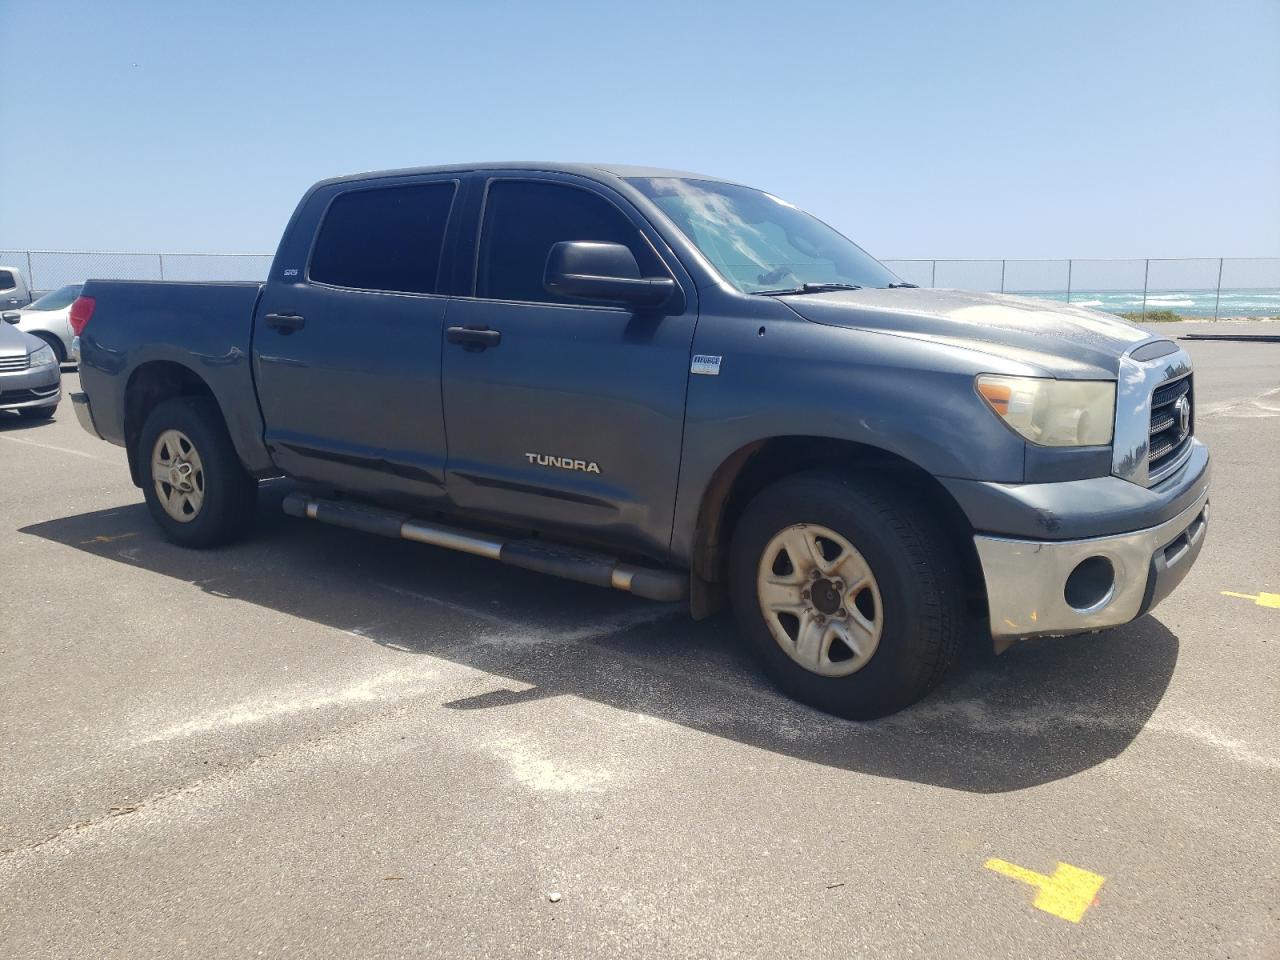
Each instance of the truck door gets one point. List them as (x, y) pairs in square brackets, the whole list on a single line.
[(564, 415), (347, 346)]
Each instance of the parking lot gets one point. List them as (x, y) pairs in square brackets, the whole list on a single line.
[(328, 743)]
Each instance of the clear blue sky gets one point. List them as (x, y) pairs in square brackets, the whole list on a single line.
[(947, 129)]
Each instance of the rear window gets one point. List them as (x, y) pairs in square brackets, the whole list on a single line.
[(62, 297), (7, 282), (387, 238)]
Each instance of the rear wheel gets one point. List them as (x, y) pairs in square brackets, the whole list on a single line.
[(849, 594), (195, 486)]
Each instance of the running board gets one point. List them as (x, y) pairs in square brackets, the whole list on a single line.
[(537, 555)]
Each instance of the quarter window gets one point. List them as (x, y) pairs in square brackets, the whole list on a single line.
[(6, 280), (523, 220), (388, 238)]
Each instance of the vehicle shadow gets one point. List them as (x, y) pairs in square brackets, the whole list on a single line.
[(11, 421), (1042, 711)]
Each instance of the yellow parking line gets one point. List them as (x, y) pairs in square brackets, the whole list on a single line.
[(1261, 599), (1067, 893), (103, 538)]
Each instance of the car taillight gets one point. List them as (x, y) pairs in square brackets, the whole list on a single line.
[(81, 311)]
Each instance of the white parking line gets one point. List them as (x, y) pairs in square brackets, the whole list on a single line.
[(50, 446)]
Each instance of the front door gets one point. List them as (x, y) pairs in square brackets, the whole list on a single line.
[(565, 416), (347, 356)]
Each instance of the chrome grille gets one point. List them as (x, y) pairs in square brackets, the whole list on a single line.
[(10, 364), (1171, 427)]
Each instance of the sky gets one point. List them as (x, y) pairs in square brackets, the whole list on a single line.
[(946, 129)]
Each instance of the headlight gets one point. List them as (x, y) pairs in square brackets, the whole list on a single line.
[(1053, 413), (43, 356)]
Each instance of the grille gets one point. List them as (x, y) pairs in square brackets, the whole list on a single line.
[(1170, 439), (9, 364)]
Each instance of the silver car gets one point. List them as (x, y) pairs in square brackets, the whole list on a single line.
[(49, 318), (30, 381)]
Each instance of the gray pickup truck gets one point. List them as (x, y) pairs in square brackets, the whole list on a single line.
[(676, 386)]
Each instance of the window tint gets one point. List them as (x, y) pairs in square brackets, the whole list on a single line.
[(6, 280), (524, 220), (388, 238)]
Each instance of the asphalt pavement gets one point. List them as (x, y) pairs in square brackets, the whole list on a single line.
[(323, 743)]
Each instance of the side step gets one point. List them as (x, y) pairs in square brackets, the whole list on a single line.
[(540, 556)]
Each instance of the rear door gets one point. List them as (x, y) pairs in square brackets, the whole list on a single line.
[(347, 352), (572, 420)]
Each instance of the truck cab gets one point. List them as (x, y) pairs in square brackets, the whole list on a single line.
[(14, 294)]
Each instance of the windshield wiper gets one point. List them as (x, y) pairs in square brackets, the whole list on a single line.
[(808, 288), (903, 286)]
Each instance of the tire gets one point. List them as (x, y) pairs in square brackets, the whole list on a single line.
[(38, 413), (888, 641), (213, 502)]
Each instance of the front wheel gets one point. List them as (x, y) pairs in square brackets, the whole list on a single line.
[(195, 486), (849, 594)]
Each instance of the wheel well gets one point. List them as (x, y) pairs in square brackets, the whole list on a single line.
[(752, 468), (150, 384), (53, 343)]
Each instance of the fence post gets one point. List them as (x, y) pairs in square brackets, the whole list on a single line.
[(1068, 281), (161, 257), (1002, 263), (31, 278), (1218, 297), (933, 273), (1146, 272)]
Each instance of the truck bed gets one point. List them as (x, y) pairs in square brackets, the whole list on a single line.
[(139, 326)]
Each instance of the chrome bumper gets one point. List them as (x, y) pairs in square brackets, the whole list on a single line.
[(1027, 580), (80, 401)]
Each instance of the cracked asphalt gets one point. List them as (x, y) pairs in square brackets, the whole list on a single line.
[(323, 743)]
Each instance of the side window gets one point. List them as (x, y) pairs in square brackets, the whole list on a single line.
[(523, 220), (387, 238), (6, 280)]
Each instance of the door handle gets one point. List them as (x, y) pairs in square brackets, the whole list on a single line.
[(474, 338), (285, 322)]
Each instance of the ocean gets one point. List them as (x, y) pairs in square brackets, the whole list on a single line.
[(1188, 303)]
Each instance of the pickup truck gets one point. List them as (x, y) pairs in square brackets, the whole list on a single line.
[(676, 386)]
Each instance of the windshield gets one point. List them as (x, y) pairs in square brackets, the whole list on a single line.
[(758, 242), (62, 297)]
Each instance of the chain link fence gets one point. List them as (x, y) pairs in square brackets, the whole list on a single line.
[(1205, 288), (50, 269), (1202, 288)]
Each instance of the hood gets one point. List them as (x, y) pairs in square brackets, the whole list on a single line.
[(1060, 339), (15, 343)]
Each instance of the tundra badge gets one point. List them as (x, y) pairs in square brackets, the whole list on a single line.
[(564, 463)]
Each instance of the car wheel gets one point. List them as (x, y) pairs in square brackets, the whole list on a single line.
[(849, 594), (37, 413), (195, 486)]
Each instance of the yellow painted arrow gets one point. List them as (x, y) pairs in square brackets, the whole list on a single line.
[(1067, 893), (1261, 599)]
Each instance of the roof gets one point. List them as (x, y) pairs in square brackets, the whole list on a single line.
[(592, 170)]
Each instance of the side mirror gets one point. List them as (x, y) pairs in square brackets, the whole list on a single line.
[(11, 317), (587, 270)]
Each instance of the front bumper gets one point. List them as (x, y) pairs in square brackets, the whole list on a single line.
[(1039, 587), (41, 387)]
